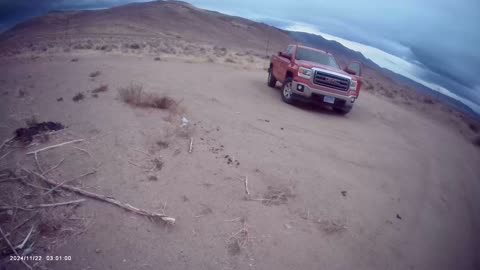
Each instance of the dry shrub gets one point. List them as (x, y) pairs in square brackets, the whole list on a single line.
[(229, 60), (101, 88), (135, 96)]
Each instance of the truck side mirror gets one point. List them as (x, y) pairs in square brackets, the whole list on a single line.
[(285, 55), (354, 68)]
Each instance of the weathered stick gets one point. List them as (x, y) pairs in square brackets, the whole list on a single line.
[(190, 149), (108, 199), (53, 146), (54, 167), (38, 163), (246, 186), (45, 205), (13, 249), (66, 181), (6, 141), (8, 153), (22, 223)]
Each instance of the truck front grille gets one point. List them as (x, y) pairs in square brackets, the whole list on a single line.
[(331, 81)]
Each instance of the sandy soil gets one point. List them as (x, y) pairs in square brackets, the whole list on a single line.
[(381, 188)]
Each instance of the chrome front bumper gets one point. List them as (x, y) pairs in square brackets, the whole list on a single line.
[(312, 94)]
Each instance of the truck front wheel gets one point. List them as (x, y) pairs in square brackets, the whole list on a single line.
[(343, 110), (271, 79), (287, 91)]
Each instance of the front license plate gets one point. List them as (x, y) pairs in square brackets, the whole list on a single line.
[(328, 99)]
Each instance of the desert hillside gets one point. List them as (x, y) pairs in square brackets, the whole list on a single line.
[(161, 26)]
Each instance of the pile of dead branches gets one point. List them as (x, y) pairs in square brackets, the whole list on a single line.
[(38, 212)]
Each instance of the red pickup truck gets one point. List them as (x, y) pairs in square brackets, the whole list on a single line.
[(312, 75)]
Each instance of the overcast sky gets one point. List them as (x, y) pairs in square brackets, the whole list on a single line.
[(437, 39)]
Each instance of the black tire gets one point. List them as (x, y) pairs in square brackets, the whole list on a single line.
[(342, 111), (287, 96), (271, 81)]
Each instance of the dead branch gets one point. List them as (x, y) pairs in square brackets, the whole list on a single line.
[(38, 163), (54, 146), (246, 186), (11, 179), (45, 205), (21, 245), (190, 149), (67, 181), (6, 141), (21, 224), (85, 151), (8, 153), (13, 249), (108, 199), (54, 167)]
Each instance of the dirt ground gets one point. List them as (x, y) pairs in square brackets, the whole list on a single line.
[(381, 188)]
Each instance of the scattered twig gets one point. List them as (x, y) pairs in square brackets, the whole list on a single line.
[(67, 181), (43, 205), (22, 223), (6, 141), (108, 199), (54, 146), (54, 167), (246, 186), (143, 152), (85, 151), (13, 249), (241, 237), (8, 153), (11, 179), (21, 245), (190, 149), (141, 167), (38, 163)]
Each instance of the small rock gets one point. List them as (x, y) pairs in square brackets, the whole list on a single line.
[(399, 217), (10, 212), (287, 226), (344, 193), (97, 250)]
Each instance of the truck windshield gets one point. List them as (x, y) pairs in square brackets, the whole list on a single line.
[(315, 56)]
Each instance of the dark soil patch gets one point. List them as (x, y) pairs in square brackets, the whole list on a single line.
[(78, 97), (100, 89), (25, 135), (162, 144), (95, 74)]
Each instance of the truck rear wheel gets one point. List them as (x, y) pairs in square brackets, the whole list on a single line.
[(271, 79), (287, 91)]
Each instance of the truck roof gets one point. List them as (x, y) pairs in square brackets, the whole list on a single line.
[(313, 49)]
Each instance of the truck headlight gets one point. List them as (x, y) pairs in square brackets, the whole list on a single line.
[(305, 72), (353, 85)]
